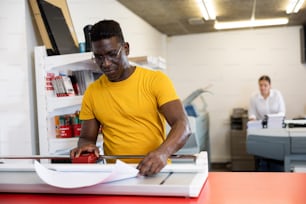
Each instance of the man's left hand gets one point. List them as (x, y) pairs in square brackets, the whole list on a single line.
[(153, 163)]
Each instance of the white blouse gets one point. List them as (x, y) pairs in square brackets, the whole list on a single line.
[(273, 104)]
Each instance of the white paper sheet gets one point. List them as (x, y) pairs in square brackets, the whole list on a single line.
[(83, 179)]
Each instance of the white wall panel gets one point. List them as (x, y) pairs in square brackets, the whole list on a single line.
[(17, 111)]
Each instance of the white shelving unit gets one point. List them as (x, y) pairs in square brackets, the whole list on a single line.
[(49, 105), (55, 103)]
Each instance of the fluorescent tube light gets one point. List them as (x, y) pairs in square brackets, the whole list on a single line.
[(250, 23), (207, 9), (294, 6)]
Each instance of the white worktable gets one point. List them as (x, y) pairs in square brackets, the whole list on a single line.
[(185, 180)]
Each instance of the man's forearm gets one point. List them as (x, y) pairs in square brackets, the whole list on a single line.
[(177, 137), (85, 141), (89, 132)]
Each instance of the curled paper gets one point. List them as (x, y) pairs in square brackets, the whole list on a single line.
[(73, 179)]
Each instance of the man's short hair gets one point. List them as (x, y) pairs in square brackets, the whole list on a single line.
[(106, 29)]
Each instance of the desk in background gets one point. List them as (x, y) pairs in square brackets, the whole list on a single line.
[(283, 144)]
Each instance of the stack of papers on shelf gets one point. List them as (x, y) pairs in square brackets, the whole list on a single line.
[(71, 83), (150, 62), (255, 124), (274, 120)]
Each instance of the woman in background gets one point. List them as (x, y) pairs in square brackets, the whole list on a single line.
[(267, 101)]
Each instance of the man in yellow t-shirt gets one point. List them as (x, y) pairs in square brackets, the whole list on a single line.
[(131, 104)]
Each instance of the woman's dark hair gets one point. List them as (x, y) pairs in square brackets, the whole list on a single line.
[(264, 78), (106, 29)]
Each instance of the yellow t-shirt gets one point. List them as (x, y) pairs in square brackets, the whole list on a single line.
[(128, 111)]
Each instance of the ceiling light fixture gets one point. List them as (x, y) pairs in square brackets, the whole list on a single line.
[(294, 6), (251, 23), (207, 9)]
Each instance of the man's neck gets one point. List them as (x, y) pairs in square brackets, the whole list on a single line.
[(126, 73)]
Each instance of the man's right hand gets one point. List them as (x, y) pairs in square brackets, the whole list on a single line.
[(76, 152)]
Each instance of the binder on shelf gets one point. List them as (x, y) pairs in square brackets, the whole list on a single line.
[(49, 86), (68, 125), (83, 79), (62, 86)]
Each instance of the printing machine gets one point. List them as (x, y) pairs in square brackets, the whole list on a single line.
[(196, 108), (283, 144)]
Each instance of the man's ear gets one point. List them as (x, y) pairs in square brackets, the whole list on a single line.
[(126, 47)]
